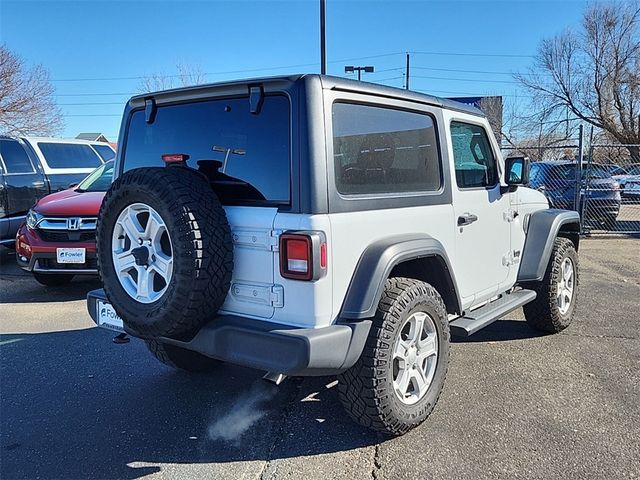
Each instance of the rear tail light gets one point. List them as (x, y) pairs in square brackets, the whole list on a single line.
[(303, 255)]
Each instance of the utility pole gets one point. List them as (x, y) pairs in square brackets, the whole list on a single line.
[(323, 37), (407, 74)]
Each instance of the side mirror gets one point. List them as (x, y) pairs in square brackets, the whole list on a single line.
[(516, 171)]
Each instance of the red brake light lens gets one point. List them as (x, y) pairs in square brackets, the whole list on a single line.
[(323, 255), (175, 157), (303, 255), (296, 257)]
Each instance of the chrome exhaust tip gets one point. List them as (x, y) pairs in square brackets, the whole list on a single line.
[(275, 378)]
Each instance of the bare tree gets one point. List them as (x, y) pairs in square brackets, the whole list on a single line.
[(27, 105), (594, 73), (186, 75)]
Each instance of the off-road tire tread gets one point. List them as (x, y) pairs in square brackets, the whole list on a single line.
[(201, 287), (542, 313), (362, 389)]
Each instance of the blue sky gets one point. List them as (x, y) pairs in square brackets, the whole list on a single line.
[(82, 41)]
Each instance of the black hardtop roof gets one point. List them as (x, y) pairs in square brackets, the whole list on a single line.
[(334, 83)]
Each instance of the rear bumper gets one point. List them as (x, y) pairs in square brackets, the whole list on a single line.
[(269, 346), (36, 255)]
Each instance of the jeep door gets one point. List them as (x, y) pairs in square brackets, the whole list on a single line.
[(483, 231)]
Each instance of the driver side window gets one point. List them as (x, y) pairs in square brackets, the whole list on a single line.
[(474, 161)]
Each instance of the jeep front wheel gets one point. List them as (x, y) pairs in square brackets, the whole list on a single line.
[(555, 303), (395, 384)]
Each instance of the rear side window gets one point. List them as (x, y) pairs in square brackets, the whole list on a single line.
[(14, 157), (69, 155), (473, 157), (382, 150), (105, 152), (246, 156)]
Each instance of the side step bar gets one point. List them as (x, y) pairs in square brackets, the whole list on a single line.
[(489, 313)]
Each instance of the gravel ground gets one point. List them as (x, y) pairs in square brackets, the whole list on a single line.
[(516, 404)]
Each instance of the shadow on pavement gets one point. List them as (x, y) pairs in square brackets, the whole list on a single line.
[(75, 405), (25, 289), (501, 331)]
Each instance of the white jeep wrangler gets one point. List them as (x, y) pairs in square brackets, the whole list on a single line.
[(312, 225)]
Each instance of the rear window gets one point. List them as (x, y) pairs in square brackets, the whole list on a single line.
[(382, 150), (105, 152), (69, 155), (246, 156)]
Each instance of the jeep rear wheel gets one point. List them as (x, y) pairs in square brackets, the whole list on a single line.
[(395, 384), (552, 310), (165, 254), (181, 358)]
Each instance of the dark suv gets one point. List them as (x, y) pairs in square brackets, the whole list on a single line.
[(557, 180)]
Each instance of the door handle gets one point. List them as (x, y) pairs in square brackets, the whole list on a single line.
[(37, 183), (466, 219)]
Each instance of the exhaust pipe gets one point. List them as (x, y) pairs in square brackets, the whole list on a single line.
[(275, 378)]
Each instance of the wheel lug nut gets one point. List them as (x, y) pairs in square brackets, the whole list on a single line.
[(139, 241)]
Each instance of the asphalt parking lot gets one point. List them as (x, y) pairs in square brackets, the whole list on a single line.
[(516, 404)]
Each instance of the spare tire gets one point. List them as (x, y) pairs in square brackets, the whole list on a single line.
[(165, 254)]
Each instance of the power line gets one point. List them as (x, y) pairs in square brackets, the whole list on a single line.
[(90, 103), (490, 72), (461, 54), (249, 70), (92, 94), (475, 80), (466, 94), (300, 65), (94, 115), (387, 79)]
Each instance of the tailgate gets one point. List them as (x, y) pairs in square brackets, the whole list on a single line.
[(255, 245)]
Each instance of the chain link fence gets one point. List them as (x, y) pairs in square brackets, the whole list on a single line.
[(601, 182)]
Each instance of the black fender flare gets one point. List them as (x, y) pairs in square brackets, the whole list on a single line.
[(376, 263), (542, 230)]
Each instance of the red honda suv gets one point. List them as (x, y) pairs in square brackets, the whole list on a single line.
[(58, 239)]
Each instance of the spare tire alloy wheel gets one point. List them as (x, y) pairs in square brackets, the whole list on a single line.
[(165, 252), (142, 253), (415, 356)]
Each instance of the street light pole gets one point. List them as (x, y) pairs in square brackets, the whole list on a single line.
[(351, 69), (323, 37)]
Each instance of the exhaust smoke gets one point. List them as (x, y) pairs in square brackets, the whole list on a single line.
[(245, 412)]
